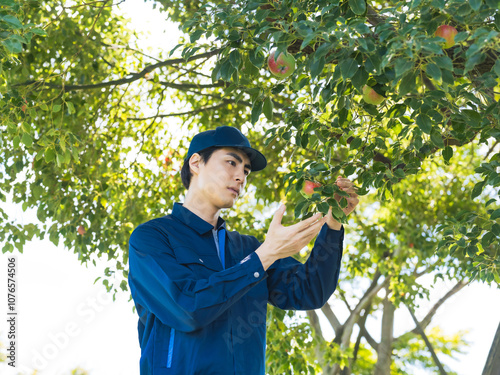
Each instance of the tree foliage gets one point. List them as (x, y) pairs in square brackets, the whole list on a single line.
[(90, 139)]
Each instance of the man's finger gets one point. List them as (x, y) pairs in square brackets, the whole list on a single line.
[(313, 229), (304, 224), (278, 215)]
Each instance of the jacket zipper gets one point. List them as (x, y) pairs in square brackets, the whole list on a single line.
[(171, 347)]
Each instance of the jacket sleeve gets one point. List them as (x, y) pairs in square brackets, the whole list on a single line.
[(173, 293), (306, 286)]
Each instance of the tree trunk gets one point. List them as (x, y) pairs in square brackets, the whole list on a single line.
[(384, 353), (492, 366)]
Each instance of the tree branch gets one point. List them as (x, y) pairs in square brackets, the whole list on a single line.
[(430, 314), (362, 304), (384, 353), (184, 85), (366, 334), (134, 76), (193, 112), (427, 342), (427, 320), (332, 318)]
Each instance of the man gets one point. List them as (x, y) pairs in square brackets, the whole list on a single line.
[(201, 292)]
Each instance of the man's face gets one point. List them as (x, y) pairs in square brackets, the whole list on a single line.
[(223, 178)]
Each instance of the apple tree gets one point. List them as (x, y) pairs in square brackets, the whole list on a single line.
[(90, 137)]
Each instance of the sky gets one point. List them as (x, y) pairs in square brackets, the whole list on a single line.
[(65, 320)]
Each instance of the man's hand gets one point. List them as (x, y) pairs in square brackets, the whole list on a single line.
[(352, 201), (282, 241)]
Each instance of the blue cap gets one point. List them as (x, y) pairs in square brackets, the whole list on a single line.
[(227, 136)]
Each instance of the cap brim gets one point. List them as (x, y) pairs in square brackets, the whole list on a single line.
[(257, 160)]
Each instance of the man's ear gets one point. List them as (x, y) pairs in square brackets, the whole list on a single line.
[(194, 163)]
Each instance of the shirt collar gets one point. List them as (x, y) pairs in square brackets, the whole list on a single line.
[(194, 221)]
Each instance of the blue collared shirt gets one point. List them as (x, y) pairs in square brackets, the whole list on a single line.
[(196, 318)]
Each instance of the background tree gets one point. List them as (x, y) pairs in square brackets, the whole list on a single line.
[(87, 136)]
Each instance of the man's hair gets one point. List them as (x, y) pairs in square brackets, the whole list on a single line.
[(186, 170)]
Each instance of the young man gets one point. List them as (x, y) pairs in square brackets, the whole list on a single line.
[(201, 291)]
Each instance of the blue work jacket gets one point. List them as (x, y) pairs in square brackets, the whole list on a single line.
[(196, 318)]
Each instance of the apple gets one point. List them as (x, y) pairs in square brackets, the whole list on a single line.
[(448, 33), (309, 186), (81, 230), (282, 66), (371, 96)]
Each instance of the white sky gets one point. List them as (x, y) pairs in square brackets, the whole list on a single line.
[(65, 321)]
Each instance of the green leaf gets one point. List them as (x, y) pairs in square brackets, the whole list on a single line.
[(268, 108), (358, 6), (16, 141), (487, 239), (194, 36), (71, 108), (27, 140), (356, 143), (444, 62), (447, 154), (396, 110), (235, 58), (424, 123), (495, 228), (359, 79), (12, 21), (493, 200), (299, 207), (317, 67), (38, 31), (56, 108), (407, 83), (13, 46), (495, 214), (478, 188), (475, 4), (433, 71), (257, 58), (496, 67), (256, 111), (437, 138), (49, 155), (402, 65), (323, 207), (59, 159), (399, 173), (348, 67)]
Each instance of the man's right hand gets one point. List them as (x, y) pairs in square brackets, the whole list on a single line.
[(282, 241)]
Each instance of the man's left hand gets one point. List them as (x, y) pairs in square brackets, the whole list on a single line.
[(352, 201)]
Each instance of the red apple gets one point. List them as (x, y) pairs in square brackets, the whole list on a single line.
[(371, 96), (81, 230), (283, 66), (309, 186), (448, 33)]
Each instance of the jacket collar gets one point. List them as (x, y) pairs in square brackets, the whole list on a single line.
[(194, 221)]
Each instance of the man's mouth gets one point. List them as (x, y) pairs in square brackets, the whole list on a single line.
[(234, 190)]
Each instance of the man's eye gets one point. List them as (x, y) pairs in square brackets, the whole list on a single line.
[(231, 161)]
